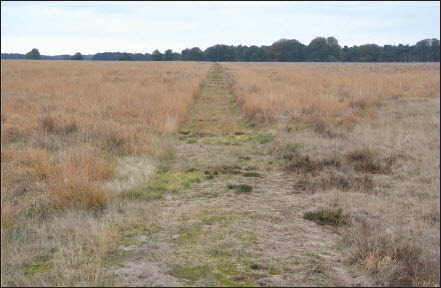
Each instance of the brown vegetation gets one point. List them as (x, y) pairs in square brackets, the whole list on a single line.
[(68, 129), (63, 123), (364, 138), (359, 145), (325, 95)]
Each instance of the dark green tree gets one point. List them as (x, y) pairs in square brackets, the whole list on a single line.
[(286, 50), (426, 50), (33, 54), (435, 50), (221, 53), (77, 56), (168, 55), (388, 53), (252, 54), (125, 57), (317, 50), (351, 54), (193, 54), (255, 57), (156, 56), (369, 53), (334, 49)]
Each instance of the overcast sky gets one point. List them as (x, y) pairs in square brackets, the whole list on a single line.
[(141, 27)]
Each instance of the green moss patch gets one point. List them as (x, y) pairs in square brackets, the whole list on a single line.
[(229, 140), (190, 273), (263, 138), (129, 231), (162, 183)]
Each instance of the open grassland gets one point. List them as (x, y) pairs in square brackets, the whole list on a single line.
[(325, 95), (74, 135), (280, 174), (362, 143)]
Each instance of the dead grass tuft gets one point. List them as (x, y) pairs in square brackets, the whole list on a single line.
[(303, 164), (396, 261), (348, 183), (327, 217), (366, 160), (78, 182)]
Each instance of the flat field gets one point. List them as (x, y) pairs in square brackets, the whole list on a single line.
[(231, 174)]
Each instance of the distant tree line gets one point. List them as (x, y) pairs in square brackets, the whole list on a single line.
[(34, 54), (319, 49), (121, 56)]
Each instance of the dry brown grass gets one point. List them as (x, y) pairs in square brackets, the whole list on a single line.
[(383, 171), (63, 123), (325, 95), (70, 133)]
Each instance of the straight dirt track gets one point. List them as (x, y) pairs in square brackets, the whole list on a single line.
[(216, 232)]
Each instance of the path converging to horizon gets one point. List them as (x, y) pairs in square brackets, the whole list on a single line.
[(226, 213)]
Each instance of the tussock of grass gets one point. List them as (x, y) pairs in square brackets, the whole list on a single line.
[(209, 174), (50, 125), (347, 182), (77, 182), (114, 144), (396, 262), (290, 151), (251, 174), (226, 169), (78, 192), (327, 217), (254, 266), (367, 160), (240, 187), (304, 164), (250, 168)]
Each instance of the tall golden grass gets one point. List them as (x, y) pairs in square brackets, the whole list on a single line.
[(331, 94), (64, 123)]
